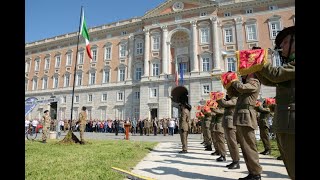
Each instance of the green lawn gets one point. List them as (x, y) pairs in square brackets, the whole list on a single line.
[(274, 148), (90, 161)]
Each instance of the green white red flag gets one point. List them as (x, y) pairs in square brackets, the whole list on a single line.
[(85, 34)]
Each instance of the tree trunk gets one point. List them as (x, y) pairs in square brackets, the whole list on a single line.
[(70, 138)]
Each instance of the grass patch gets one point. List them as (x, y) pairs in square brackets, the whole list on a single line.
[(91, 161), (274, 147)]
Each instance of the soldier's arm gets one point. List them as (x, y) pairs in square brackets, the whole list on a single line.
[(278, 74), (232, 102), (218, 110), (249, 87), (232, 92), (264, 80), (263, 110)]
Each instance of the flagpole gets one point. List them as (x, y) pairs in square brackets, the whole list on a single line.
[(75, 70)]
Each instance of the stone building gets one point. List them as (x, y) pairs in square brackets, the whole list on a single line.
[(134, 61)]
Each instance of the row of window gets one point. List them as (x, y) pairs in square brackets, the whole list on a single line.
[(139, 50), (250, 10), (182, 66), (153, 93)]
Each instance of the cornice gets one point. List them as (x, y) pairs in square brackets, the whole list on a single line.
[(149, 14), (73, 37), (182, 12), (250, 3)]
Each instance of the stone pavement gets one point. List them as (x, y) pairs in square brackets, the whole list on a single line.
[(164, 162)]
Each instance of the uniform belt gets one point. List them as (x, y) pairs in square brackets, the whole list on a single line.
[(246, 106)]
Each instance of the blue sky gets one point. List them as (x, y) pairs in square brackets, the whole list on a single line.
[(49, 18)]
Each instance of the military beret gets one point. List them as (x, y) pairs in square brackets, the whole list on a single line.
[(282, 34)]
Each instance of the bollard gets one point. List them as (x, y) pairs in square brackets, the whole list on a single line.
[(127, 127)]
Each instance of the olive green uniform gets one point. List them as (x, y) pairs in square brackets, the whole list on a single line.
[(264, 126), (229, 128), (245, 119), (206, 131), (184, 126), (82, 123), (45, 126), (283, 77), (218, 131), (165, 127)]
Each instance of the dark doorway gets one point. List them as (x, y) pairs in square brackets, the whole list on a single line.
[(154, 113), (53, 110)]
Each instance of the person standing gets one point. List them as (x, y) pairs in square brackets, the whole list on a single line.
[(184, 125), (82, 122), (155, 126), (116, 126), (140, 124), (46, 119), (165, 126), (171, 126), (207, 132), (229, 105), (134, 126), (283, 78), (245, 120), (218, 133), (264, 127)]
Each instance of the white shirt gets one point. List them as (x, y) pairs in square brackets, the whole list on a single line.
[(26, 123), (171, 123), (35, 123)]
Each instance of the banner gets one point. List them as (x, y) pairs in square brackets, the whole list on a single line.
[(250, 61), (216, 95), (227, 78)]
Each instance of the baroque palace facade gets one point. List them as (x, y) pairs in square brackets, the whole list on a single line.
[(132, 71)]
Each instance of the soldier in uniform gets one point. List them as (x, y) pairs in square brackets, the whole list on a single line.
[(165, 126), (147, 125), (245, 120), (82, 122), (218, 133), (230, 130), (46, 119), (283, 77), (264, 127), (207, 133), (212, 135), (184, 125)]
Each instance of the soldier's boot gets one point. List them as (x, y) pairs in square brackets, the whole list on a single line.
[(208, 148), (266, 152), (251, 177), (216, 153), (221, 158), (234, 165), (279, 158)]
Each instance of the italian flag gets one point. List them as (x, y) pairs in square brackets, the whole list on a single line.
[(176, 78), (85, 34)]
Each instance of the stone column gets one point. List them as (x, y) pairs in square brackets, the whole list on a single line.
[(239, 32), (164, 50), (131, 54), (169, 58), (215, 44), (194, 58), (146, 52)]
